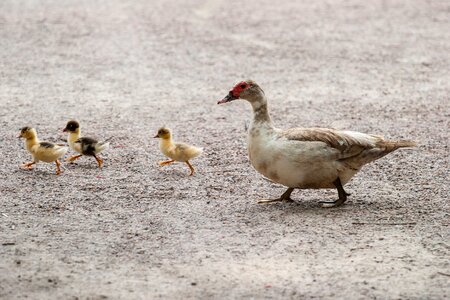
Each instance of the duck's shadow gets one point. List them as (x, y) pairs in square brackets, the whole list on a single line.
[(299, 207)]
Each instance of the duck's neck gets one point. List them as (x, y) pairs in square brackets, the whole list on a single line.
[(166, 143), (261, 115), (73, 136), (30, 142)]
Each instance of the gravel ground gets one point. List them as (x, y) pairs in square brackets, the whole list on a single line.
[(135, 230)]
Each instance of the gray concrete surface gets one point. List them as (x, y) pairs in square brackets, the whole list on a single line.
[(137, 231)]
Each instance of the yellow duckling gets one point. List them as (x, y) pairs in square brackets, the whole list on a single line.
[(176, 151), (83, 145), (41, 151)]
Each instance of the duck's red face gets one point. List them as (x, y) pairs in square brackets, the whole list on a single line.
[(235, 93)]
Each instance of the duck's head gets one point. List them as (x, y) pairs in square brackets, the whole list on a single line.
[(72, 126), (247, 90), (163, 133), (27, 133)]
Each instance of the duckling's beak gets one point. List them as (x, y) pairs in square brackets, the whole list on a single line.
[(156, 136), (65, 130), (19, 136), (228, 98)]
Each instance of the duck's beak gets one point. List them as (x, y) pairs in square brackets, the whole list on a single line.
[(65, 130), (228, 98), (156, 136)]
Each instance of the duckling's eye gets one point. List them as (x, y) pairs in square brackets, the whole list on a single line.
[(243, 86)]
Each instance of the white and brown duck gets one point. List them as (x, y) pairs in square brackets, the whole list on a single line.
[(83, 145), (41, 151), (306, 158)]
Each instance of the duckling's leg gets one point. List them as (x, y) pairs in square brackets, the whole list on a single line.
[(58, 169), (190, 167), (28, 166), (99, 161), (342, 195), (74, 157), (166, 162), (285, 197)]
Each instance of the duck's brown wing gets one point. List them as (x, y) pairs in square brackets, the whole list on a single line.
[(348, 143), (353, 148)]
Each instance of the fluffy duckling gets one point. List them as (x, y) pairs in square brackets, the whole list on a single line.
[(41, 151), (84, 145), (176, 151), (306, 158)]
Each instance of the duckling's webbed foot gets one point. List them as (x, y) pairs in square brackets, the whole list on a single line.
[(342, 196), (73, 158), (99, 161), (28, 166), (166, 162), (58, 169), (191, 168), (285, 197)]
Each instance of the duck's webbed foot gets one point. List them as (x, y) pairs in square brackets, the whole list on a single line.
[(342, 196), (285, 197)]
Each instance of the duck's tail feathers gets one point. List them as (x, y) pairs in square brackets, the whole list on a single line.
[(382, 148), (394, 145), (406, 143)]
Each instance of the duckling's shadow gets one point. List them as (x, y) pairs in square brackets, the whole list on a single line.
[(174, 174), (35, 172), (81, 165)]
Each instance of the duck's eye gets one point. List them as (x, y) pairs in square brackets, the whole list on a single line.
[(243, 86)]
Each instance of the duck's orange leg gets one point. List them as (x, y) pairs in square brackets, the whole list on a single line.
[(74, 157), (190, 167), (166, 162), (28, 166), (99, 161), (58, 165)]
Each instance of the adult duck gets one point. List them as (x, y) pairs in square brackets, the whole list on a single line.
[(306, 158)]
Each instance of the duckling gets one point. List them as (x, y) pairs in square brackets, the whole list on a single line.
[(83, 145), (176, 151), (306, 158), (41, 151)]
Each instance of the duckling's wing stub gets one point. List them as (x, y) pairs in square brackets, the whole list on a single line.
[(185, 152), (87, 145), (182, 146), (46, 145)]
